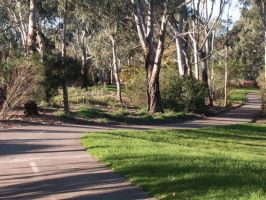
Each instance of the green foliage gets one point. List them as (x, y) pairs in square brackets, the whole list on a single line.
[(212, 163), (194, 94), (186, 94), (54, 72), (249, 44)]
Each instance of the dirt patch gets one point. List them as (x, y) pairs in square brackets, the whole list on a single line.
[(45, 117)]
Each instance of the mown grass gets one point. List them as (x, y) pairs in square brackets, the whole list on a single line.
[(212, 163), (239, 95)]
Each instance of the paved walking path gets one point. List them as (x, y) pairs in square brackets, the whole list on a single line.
[(48, 162)]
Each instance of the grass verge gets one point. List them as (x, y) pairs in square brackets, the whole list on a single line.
[(122, 116), (239, 95), (212, 163)]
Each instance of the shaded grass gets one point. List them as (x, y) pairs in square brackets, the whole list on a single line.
[(212, 163), (122, 116), (239, 95)]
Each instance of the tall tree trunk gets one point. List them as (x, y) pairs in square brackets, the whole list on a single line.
[(186, 50), (40, 38), (181, 63), (32, 27), (225, 75), (65, 89), (84, 64), (196, 60), (265, 57), (152, 55), (154, 96), (41, 44), (111, 75), (195, 40), (263, 16), (116, 69), (205, 78), (84, 69)]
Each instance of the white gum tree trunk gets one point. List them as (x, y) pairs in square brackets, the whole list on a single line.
[(116, 69), (32, 28)]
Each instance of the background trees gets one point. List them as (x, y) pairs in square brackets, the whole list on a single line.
[(135, 44)]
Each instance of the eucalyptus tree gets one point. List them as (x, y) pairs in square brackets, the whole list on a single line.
[(32, 27), (115, 23), (64, 43), (179, 26), (16, 12), (262, 8), (147, 15), (203, 24), (249, 38)]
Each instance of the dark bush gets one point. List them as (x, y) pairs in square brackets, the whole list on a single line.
[(30, 108), (194, 94), (186, 94), (53, 74)]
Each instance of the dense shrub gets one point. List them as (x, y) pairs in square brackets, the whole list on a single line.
[(53, 73), (217, 91), (185, 94)]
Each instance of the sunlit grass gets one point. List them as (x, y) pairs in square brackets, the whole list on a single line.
[(239, 95), (99, 96), (212, 163)]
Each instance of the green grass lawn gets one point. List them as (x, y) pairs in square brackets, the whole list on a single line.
[(212, 163), (239, 95)]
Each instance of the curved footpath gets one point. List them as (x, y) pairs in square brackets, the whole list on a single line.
[(48, 162)]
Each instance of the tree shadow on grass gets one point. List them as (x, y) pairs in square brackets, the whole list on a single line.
[(192, 176), (164, 167), (131, 118)]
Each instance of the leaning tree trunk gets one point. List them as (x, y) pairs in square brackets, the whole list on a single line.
[(152, 66), (65, 90), (116, 69), (154, 96), (32, 27)]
